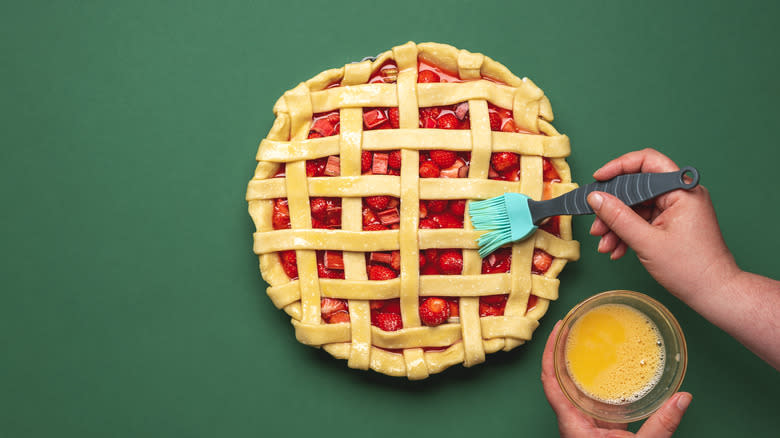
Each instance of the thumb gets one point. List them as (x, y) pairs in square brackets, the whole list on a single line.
[(665, 420), (621, 219)]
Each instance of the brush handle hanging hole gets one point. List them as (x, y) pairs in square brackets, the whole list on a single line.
[(689, 177)]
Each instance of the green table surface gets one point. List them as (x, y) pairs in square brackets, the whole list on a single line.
[(130, 300)]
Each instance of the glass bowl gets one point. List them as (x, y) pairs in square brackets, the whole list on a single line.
[(675, 363)]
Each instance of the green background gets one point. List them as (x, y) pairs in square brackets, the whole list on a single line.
[(131, 303)]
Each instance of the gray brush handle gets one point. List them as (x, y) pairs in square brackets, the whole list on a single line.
[(632, 189)]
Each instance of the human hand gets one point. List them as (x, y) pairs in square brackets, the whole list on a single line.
[(677, 238), (572, 423)]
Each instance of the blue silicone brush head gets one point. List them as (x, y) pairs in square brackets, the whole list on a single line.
[(507, 218)]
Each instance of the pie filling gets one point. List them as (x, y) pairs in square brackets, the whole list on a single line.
[(383, 212)]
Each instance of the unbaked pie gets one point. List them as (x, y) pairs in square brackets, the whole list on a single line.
[(360, 204)]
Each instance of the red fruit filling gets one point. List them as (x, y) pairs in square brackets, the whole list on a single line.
[(381, 213), (324, 124), (280, 216), (446, 117), (442, 262), (440, 213), (552, 226), (334, 310), (434, 311), (541, 261), (427, 73), (323, 271), (492, 305), (498, 262), (325, 213), (549, 176)]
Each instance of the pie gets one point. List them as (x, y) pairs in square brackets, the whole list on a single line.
[(360, 200)]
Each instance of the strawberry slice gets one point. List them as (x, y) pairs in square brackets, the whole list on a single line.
[(427, 76), (488, 310), (369, 217), (394, 160), (502, 161), (509, 126), (427, 122), (388, 322), (429, 170), (392, 306), (550, 174), (392, 114), (366, 158), (338, 317), (436, 205), (541, 261), (446, 220), (319, 208), (495, 121), (498, 262), (379, 165), (377, 202), (289, 263), (451, 262), (448, 121), (380, 273), (428, 224), (329, 306), (373, 118), (458, 207), (443, 158), (494, 300), (454, 307), (552, 226), (423, 210), (532, 300), (280, 216), (316, 167), (434, 311)]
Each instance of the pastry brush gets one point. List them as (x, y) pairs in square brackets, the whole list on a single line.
[(514, 216)]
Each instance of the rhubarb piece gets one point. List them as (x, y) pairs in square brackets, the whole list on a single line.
[(333, 166), (380, 257), (379, 165), (334, 260), (389, 216), (373, 118), (462, 110)]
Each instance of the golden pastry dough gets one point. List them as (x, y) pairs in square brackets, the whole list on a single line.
[(469, 337)]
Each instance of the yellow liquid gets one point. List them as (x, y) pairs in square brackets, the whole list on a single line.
[(614, 353)]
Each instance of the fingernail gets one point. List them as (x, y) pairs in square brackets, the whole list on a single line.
[(683, 401), (595, 200)]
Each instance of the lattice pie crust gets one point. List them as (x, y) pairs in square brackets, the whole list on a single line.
[(415, 350)]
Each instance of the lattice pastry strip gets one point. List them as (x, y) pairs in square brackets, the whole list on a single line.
[(358, 201)]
